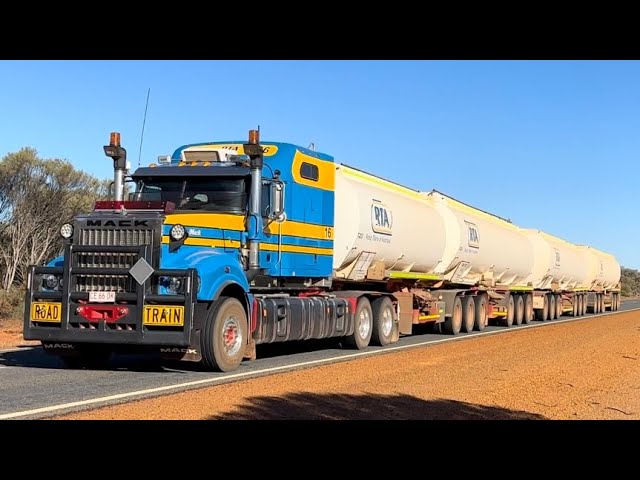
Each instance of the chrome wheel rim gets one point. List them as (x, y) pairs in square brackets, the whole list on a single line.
[(231, 335), (387, 321), (364, 328)]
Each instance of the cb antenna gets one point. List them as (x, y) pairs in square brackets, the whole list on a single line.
[(144, 120)]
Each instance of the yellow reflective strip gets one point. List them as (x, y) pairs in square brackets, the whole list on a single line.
[(207, 220), (428, 317), (415, 276), (273, 247), (237, 148), (500, 314), (299, 229), (326, 172), (521, 289), (206, 242), (381, 182), (236, 223)]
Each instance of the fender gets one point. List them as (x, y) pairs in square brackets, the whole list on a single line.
[(56, 262), (216, 269)]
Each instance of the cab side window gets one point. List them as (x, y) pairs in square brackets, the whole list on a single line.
[(309, 171)]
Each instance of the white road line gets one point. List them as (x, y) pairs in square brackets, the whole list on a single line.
[(205, 381)]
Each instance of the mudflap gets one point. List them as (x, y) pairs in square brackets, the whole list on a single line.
[(250, 350)]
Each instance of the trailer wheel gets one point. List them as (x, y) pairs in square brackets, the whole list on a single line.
[(559, 311), (528, 308), (602, 306), (468, 313), (552, 307), (541, 315), (519, 310), (453, 324), (480, 317), (580, 306), (383, 321), (363, 324), (224, 335), (616, 299), (508, 319)]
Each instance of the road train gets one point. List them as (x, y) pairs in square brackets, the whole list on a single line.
[(226, 245)]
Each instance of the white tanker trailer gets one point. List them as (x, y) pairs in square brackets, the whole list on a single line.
[(456, 266)]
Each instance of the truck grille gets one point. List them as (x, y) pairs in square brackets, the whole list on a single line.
[(109, 237)]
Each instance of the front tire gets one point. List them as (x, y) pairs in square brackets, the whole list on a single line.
[(363, 325), (383, 321), (224, 335)]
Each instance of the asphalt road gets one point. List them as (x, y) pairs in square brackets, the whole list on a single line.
[(36, 385)]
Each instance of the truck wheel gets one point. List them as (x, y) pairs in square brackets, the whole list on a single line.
[(559, 311), (363, 325), (580, 306), (453, 324), (541, 315), (519, 310), (383, 321), (552, 306), (468, 314), (224, 335), (507, 321), (480, 320), (528, 308), (87, 356)]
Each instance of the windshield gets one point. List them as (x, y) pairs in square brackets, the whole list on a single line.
[(212, 194)]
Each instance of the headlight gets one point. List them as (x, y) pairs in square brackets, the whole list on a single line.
[(173, 285), (177, 232), (66, 230), (50, 282)]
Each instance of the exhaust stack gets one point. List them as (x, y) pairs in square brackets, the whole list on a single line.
[(255, 153), (119, 156)]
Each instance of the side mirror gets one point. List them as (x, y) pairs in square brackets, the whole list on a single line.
[(277, 202)]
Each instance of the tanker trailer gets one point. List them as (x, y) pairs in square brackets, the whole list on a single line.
[(491, 265), (561, 276), (604, 291)]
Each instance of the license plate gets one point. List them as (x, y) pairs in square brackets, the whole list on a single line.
[(165, 315), (46, 312), (102, 297)]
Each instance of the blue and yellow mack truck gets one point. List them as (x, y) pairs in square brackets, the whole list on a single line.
[(226, 245)]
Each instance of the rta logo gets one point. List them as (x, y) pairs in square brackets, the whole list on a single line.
[(381, 218), (473, 235)]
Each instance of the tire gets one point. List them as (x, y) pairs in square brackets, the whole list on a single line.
[(383, 321), (95, 357), (541, 315), (528, 308), (602, 307), (519, 310), (224, 335), (580, 305), (552, 307), (617, 301), (453, 324), (468, 314), (508, 319), (480, 317), (363, 325), (574, 304), (559, 311)]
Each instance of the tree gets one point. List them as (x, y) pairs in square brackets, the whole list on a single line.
[(36, 197)]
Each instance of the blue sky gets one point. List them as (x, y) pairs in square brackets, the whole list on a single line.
[(552, 145)]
